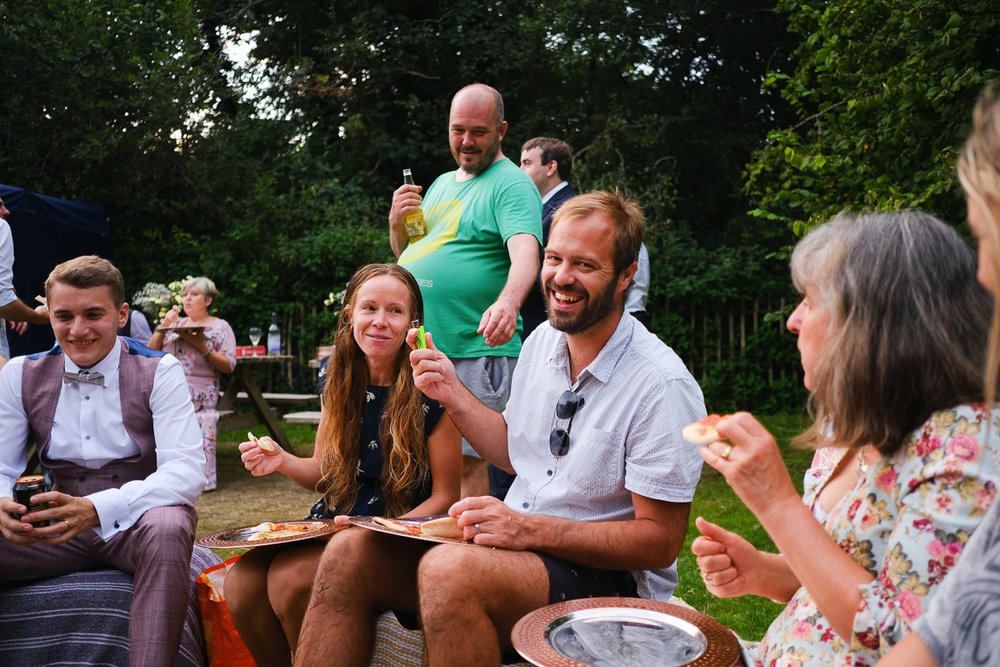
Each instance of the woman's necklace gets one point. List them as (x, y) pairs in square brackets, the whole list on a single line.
[(862, 465)]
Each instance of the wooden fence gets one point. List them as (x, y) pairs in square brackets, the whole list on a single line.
[(722, 336), (705, 340)]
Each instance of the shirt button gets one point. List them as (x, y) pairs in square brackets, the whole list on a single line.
[(524, 505), (549, 473), (86, 437), (86, 398), (116, 525)]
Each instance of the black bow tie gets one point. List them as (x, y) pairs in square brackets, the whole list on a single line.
[(84, 376)]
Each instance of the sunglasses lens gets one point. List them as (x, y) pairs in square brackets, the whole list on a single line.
[(567, 405), (558, 442)]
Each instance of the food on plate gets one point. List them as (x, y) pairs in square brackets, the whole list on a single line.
[(398, 526), (265, 443), (272, 531), (446, 526), (702, 432)]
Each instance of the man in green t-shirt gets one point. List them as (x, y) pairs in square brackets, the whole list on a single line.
[(479, 258)]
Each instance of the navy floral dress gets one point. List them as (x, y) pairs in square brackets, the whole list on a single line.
[(369, 500)]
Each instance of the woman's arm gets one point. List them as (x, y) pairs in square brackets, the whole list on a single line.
[(220, 350), (157, 339), (756, 472), (911, 652), (444, 449)]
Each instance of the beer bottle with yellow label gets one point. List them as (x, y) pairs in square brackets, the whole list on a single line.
[(415, 227)]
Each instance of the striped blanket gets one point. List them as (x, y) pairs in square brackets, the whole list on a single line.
[(82, 619)]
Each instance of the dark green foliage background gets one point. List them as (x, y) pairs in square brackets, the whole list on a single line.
[(735, 123)]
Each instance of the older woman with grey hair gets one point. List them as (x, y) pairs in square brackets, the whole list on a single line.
[(205, 346), (892, 332)]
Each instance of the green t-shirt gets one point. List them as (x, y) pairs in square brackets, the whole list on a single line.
[(462, 263)]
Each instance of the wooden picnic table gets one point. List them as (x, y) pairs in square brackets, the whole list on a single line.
[(242, 380)]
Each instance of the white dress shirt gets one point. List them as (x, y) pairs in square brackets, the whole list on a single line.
[(89, 431), (7, 294), (635, 298)]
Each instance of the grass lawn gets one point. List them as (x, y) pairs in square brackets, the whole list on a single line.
[(242, 500)]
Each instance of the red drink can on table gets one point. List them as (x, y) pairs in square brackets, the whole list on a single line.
[(24, 488)]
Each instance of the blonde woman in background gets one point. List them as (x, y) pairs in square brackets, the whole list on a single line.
[(204, 354), (962, 624)]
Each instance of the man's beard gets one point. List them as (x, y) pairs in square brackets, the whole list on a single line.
[(596, 308), (486, 158)]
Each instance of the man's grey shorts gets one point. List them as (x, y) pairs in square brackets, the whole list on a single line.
[(488, 378)]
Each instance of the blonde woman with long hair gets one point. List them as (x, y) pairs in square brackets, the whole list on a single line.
[(382, 448)]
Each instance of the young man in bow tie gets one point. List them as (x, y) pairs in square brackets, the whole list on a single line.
[(115, 427)]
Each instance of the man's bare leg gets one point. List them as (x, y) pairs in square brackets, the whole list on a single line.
[(477, 593), (289, 587), (360, 573)]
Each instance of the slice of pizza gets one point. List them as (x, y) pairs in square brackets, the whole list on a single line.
[(265, 443), (271, 531), (398, 526), (702, 432)]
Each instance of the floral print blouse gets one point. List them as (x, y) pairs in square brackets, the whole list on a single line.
[(906, 521)]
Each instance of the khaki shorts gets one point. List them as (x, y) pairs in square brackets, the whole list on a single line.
[(488, 378)]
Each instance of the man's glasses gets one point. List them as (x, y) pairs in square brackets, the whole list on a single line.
[(566, 408)]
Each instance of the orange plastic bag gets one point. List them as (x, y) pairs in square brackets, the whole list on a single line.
[(225, 648)]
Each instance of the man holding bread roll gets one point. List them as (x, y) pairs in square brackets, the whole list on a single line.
[(604, 481)]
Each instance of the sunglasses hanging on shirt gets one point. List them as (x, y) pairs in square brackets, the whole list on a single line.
[(569, 403)]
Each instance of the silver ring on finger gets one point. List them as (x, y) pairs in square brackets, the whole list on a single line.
[(476, 527), (68, 524)]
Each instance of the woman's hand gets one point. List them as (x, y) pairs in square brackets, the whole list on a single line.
[(751, 464), (433, 372), (196, 339), (170, 319), (727, 562), (258, 460)]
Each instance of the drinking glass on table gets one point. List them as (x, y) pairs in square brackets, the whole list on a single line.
[(255, 334)]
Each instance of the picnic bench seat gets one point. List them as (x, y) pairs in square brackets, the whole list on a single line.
[(304, 417), (273, 398)]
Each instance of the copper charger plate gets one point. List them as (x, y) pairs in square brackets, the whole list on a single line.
[(369, 523), (239, 538), (184, 328), (634, 632)]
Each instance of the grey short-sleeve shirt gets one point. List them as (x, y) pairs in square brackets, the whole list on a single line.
[(626, 438), (962, 624)]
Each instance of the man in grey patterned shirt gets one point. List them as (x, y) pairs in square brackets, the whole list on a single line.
[(604, 480)]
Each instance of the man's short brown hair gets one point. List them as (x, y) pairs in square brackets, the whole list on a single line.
[(89, 271), (627, 216)]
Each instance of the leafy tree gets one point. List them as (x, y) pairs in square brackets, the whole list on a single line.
[(883, 93), (274, 176)]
